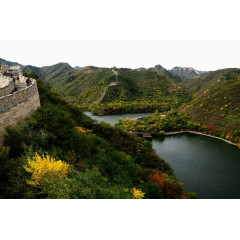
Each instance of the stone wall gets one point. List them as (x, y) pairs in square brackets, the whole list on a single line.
[(12, 100), (8, 84), (18, 106)]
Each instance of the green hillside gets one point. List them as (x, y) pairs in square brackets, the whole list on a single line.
[(61, 153), (214, 108), (216, 100), (48, 72), (193, 85), (137, 90)]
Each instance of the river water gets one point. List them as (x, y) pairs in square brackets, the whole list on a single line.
[(113, 119), (207, 166)]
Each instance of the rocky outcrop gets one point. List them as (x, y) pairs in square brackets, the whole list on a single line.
[(161, 70), (185, 72)]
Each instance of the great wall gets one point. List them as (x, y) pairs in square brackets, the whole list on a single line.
[(109, 85), (18, 100)]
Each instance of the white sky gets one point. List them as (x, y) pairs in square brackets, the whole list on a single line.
[(74, 22), (202, 55)]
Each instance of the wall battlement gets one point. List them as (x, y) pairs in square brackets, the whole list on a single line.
[(12, 100)]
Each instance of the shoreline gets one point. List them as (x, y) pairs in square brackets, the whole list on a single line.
[(199, 133), (120, 112), (175, 132)]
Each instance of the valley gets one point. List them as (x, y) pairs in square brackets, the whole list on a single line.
[(154, 100)]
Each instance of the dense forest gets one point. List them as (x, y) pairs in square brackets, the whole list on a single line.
[(61, 153)]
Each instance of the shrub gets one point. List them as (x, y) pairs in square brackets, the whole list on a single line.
[(82, 185), (138, 194), (38, 166)]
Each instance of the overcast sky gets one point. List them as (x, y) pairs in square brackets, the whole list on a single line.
[(202, 55)]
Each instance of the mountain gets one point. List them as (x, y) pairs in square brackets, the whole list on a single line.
[(185, 73), (141, 68), (30, 68), (216, 100), (48, 72), (43, 72), (161, 70), (136, 90), (77, 67), (3, 61)]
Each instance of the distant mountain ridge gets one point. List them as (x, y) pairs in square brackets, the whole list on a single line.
[(48, 72), (9, 63), (45, 72), (77, 67), (161, 70), (185, 72)]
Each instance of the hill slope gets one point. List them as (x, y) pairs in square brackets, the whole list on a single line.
[(216, 100), (88, 160), (48, 72), (137, 90)]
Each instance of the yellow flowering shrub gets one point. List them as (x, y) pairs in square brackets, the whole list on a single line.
[(82, 130), (38, 166), (138, 194)]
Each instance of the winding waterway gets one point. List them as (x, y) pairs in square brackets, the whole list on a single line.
[(207, 166), (113, 119)]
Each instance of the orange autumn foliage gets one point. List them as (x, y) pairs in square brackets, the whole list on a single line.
[(154, 177), (170, 190)]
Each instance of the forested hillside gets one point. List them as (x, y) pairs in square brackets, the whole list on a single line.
[(216, 100), (137, 90), (61, 153), (48, 72), (140, 90)]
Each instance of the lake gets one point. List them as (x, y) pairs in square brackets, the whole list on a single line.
[(207, 166), (113, 119)]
